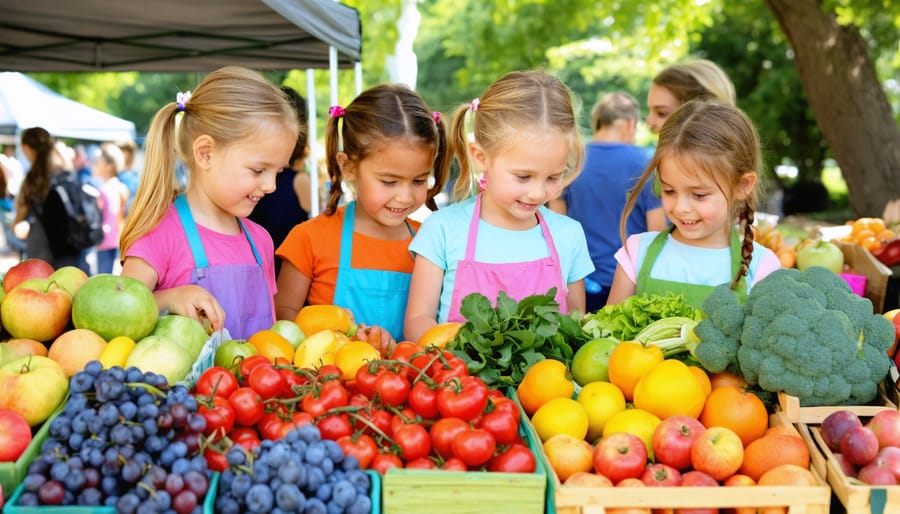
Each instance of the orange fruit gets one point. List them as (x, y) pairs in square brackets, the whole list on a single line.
[(670, 388), (568, 455), (272, 345), (703, 377), (629, 482), (316, 318), (544, 381), (786, 474), (354, 355), (771, 451), (74, 348), (741, 411), (725, 378), (739, 480), (439, 335), (629, 362)]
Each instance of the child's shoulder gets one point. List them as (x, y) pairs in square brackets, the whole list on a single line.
[(452, 213)]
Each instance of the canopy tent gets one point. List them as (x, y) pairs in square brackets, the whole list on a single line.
[(25, 102), (176, 35)]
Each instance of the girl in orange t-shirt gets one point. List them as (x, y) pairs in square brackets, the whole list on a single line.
[(388, 148)]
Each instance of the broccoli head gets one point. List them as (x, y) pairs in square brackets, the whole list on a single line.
[(720, 332)]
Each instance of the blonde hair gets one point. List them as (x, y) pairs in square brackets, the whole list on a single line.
[(517, 101), (697, 79), (719, 141), (229, 105), (373, 119)]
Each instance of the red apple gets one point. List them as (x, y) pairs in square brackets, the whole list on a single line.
[(859, 445), (886, 425), (15, 435), (37, 309), (661, 475), (846, 466), (835, 425), (34, 386), (619, 456), (673, 439), (29, 268), (877, 472), (696, 478), (587, 479), (891, 457), (718, 452)]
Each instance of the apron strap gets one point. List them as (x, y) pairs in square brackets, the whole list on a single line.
[(346, 252), (193, 235), (473, 229), (252, 244)]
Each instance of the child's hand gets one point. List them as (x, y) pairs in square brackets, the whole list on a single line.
[(376, 336), (194, 302)]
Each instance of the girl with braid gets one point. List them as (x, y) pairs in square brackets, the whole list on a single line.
[(391, 150), (708, 160)]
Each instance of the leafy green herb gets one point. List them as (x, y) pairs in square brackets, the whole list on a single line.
[(623, 321), (500, 343)]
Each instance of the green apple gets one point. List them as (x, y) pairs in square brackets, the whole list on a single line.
[(290, 331), (591, 361), (230, 353), (34, 386), (182, 329), (821, 253), (69, 278), (161, 355)]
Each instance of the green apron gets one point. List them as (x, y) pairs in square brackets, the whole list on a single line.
[(693, 293)]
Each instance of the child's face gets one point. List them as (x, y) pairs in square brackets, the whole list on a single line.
[(661, 104), (391, 183), (694, 203), (239, 175), (524, 175)]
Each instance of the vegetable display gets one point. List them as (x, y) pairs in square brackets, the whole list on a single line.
[(500, 344), (804, 333), (625, 320)]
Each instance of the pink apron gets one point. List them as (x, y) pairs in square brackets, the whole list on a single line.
[(516, 279)]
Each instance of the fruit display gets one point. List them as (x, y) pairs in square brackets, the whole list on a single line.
[(870, 233)]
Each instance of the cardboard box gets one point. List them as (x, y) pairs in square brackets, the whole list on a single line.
[(864, 263)]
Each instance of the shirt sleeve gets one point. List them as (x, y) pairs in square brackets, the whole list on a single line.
[(297, 248), (768, 263), (429, 240), (628, 260)]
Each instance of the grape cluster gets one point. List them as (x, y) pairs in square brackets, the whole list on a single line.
[(124, 439), (300, 473)]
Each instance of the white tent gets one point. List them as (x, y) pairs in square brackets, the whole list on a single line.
[(25, 102)]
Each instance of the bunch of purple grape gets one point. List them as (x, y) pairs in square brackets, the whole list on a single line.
[(124, 439)]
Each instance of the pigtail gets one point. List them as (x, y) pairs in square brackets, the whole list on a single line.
[(332, 147), (459, 147), (156, 188), (746, 218), (442, 160)]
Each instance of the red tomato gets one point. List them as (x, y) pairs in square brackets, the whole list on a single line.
[(216, 381), (421, 463), (291, 379), (329, 372), (250, 363), (516, 459), (362, 447), (381, 419), (247, 404), (423, 400), (474, 446), (215, 460), (330, 395), (385, 461), (404, 352), (503, 425), (454, 464), (442, 433), (366, 377), (413, 441), (267, 381), (392, 388), (403, 417), (334, 426), (219, 416), (247, 437), (443, 372), (503, 404), (463, 398), (429, 358), (302, 418)]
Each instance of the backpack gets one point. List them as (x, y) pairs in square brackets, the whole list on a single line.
[(78, 203)]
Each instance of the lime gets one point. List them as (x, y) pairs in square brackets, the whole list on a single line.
[(591, 361)]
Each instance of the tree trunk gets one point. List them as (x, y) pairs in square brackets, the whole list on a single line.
[(850, 106)]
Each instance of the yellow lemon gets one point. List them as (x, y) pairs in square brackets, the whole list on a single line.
[(560, 416), (670, 388), (634, 421), (116, 351), (601, 400), (352, 356)]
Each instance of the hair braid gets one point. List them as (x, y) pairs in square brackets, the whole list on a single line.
[(746, 217)]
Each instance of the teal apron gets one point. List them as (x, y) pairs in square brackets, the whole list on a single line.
[(376, 297), (693, 293), (240, 289)]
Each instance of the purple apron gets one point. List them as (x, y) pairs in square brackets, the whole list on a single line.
[(516, 279), (241, 289)]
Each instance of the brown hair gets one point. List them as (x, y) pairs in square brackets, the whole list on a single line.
[(612, 107), (229, 105), (47, 162), (519, 100), (697, 79), (376, 117), (720, 141)]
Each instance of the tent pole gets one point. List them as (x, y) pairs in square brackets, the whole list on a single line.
[(312, 161), (333, 73), (357, 71)]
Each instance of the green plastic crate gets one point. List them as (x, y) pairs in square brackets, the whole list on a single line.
[(12, 473), (11, 507)]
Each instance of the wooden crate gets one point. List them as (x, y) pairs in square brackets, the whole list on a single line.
[(864, 263), (855, 496), (594, 500), (888, 400)]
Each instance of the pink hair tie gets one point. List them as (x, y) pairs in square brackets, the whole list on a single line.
[(475, 103), (336, 111), (437, 116)]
